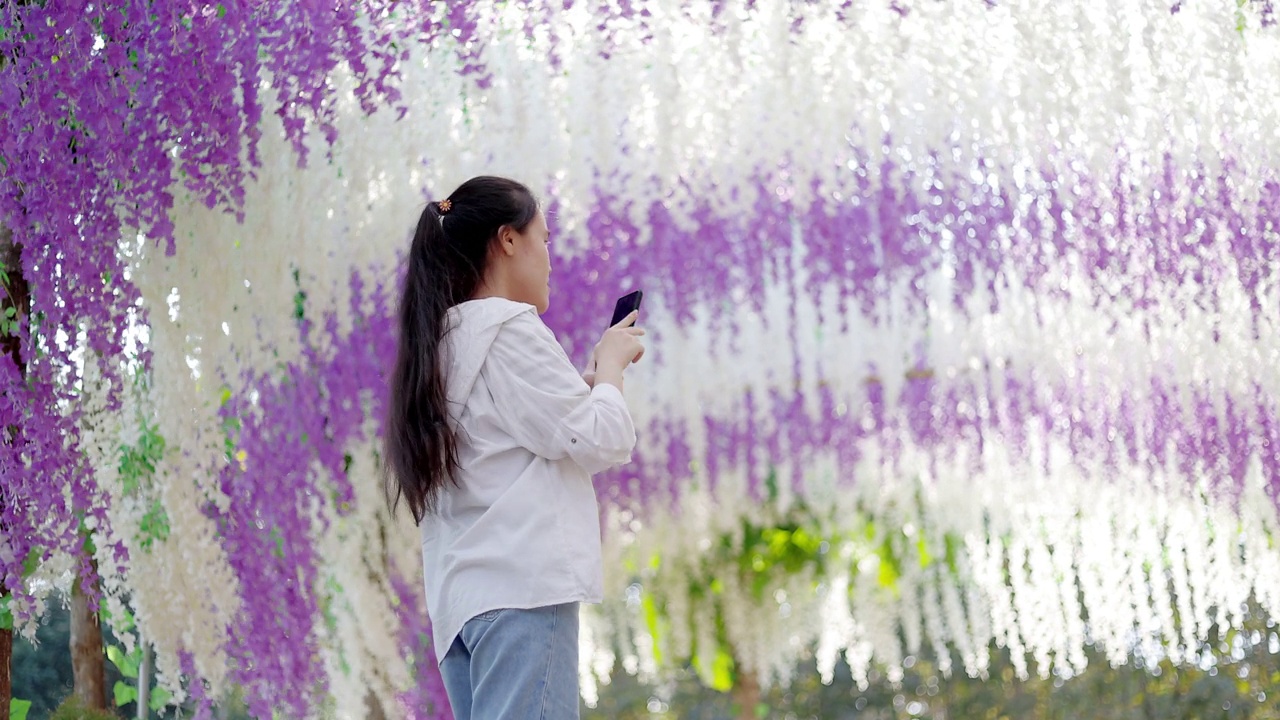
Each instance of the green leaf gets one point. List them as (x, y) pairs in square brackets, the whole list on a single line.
[(722, 671), (279, 541), (889, 571), (128, 664), (32, 562), (952, 553), (299, 298), (6, 615), (10, 311), (115, 655), (159, 698), (651, 622), (922, 548), (125, 694), (154, 526), (18, 709), (138, 463)]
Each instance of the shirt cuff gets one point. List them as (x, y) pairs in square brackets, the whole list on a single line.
[(609, 389)]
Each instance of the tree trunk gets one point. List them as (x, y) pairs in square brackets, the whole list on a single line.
[(88, 659), (6, 661), (15, 294), (746, 695)]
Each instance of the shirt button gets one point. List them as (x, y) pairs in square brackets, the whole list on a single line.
[(573, 440)]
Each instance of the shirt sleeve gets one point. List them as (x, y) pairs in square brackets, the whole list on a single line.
[(545, 404)]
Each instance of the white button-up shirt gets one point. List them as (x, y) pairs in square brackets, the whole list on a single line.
[(521, 528)]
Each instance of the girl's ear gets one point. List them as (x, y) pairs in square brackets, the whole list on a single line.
[(507, 240)]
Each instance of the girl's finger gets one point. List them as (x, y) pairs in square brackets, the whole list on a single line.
[(629, 319)]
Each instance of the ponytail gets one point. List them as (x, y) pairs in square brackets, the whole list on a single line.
[(446, 264)]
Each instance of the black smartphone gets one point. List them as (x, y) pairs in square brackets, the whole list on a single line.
[(626, 304)]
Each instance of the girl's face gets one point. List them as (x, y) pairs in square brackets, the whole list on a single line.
[(528, 263)]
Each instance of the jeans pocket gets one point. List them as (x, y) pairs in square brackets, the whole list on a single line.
[(489, 616)]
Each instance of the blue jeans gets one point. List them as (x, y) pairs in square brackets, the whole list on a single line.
[(515, 665)]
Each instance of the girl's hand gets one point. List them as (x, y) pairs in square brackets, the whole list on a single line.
[(619, 347)]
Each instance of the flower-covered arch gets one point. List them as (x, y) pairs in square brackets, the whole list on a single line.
[(962, 321)]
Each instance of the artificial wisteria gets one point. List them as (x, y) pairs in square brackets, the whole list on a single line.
[(970, 308), (108, 109)]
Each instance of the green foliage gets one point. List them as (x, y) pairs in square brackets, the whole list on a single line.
[(1242, 685), (888, 569), (720, 675), (776, 545), (761, 554), (32, 562), (787, 548), (278, 539), (299, 298), (327, 600), (9, 324), (765, 551), (159, 698), (785, 544), (127, 664), (125, 693), (652, 622), (138, 464), (18, 709), (154, 525), (231, 426)]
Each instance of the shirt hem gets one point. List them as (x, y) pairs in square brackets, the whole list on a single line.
[(540, 603)]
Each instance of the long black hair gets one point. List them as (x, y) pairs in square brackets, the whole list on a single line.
[(447, 261)]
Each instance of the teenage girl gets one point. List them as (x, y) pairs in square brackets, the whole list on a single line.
[(492, 437)]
